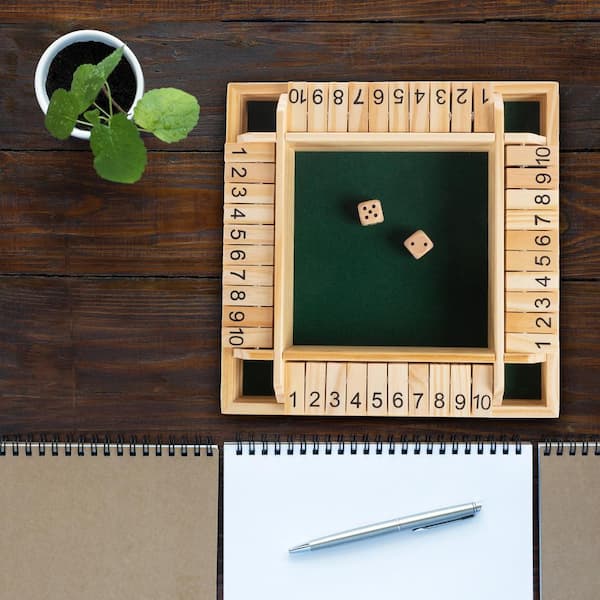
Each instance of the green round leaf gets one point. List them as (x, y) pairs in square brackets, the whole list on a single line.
[(109, 64), (62, 113), (170, 114), (86, 85), (89, 79), (93, 116), (119, 153)]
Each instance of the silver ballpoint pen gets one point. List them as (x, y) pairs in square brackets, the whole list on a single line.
[(416, 522)]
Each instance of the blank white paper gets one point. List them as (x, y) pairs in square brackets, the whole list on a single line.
[(272, 502)]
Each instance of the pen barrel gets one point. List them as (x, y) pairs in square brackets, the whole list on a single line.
[(412, 522), (353, 535), (437, 517)]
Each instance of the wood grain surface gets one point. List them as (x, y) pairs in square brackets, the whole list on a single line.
[(309, 10), (66, 221), (110, 294), (203, 57), (139, 356)]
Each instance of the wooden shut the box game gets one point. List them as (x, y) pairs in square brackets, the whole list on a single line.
[(391, 249)]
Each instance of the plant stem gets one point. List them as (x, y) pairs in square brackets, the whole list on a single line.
[(111, 100), (106, 90), (119, 106), (101, 109), (80, 122)]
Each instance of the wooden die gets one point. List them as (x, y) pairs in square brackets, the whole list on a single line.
[(370, 212), (418, 244)]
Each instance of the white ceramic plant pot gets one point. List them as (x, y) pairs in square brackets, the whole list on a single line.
[(83, 35)]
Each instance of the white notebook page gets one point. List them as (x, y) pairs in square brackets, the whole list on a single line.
[(272, 502)]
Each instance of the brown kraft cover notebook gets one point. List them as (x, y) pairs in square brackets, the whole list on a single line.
[(97, 527), (569, 522)]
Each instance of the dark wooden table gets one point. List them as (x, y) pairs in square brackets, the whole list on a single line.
[(110, 294)]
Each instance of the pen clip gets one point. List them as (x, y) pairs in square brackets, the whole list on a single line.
[(425, 527)]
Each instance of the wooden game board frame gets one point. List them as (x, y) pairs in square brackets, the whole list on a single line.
[(287, 143)]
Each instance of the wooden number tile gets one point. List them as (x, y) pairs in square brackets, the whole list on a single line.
[(520, 138), (532, 282), (378, 106), (531, 156), (530, 343), (398, 389), (483, 108), (398, 106), (543, 241), (517, 260), (419, 106), (250, 172), (314, 393), (356, 389), (519, 322), (234, 255), (248, 316), (335, 389), (539, 302), (247, 337), (251, 276), (460, 390), (249, 152), (538, 178), (358, 106), (248, 234), (462, 106), (439, 107), (317, 106), (250, 193), (532, 200), (249, 214), (248, 295), (257, 136), (298, 106), (531, 219), (295, 373), (439, 390), (377, 389), (482, 390), (337, 119), (418, 389)]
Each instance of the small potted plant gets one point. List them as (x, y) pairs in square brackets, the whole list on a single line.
[(105, 102)]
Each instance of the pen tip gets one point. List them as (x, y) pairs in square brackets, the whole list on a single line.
[(476, 506), (300, 548)]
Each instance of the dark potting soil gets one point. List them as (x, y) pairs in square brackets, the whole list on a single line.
[(121, 80)]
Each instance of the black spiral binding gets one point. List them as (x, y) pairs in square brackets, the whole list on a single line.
[(118, 447), (314, 445), (571, 447)]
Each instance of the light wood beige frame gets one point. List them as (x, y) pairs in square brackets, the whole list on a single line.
[(232, 400)]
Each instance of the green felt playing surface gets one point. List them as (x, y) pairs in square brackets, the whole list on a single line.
[(356, 285), (522, 117), (523, 382), (257, 378)]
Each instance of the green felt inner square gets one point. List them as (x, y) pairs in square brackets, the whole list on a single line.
[(257, 378), (262, 115), (522, 117), (357, 285), (523, 381)]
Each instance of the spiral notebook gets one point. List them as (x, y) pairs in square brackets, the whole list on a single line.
[(108, 527), (281, 496), (569, 521)]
